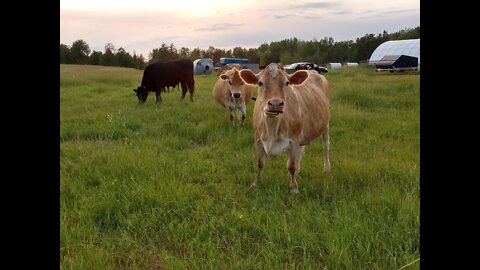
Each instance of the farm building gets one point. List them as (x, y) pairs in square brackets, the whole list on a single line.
[(408, 47), (203, 66)]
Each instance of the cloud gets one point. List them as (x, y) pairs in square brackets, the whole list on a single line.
[(398, 11), (311, 17), (341, 12), (218, 27), (315, 5), (369, 14), (279, 17)]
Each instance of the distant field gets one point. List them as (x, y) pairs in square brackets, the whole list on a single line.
[(166, 186)]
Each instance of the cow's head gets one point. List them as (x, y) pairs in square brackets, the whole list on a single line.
[(142, 93), (235, 83), (272, 83)]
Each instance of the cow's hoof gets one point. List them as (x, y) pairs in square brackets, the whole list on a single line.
[(326, 168), (294, 191)]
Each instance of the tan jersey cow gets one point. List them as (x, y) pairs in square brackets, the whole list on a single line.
[(290, 112), (231, 92)]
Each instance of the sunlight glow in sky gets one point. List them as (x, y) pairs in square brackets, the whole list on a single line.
[(197, 8), (142, 25)]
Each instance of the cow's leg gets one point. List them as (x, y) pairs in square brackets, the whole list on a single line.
[(230, 112), (184, 90), (191, 89), (326, 148), (241, 113), (159, 95), (291, 166), (301, 150), (260, 164)]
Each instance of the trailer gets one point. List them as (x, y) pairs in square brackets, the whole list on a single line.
[(397, 63), (243, 62)]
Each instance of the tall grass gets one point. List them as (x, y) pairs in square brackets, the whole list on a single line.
[(166, 186)]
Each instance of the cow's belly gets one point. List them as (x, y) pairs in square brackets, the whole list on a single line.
[(275, 147)]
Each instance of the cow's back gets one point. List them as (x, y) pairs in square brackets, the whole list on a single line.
[(313, 106), (219, 91), (169, 73)]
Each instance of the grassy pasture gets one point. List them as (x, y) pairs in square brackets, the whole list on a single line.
[(167, 186)]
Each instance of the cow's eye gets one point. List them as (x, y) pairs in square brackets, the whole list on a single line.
[(260, 83), (229, 82), (241, 83), (287, 83)]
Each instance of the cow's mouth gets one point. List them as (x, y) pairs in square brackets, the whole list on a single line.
[(273, 113)]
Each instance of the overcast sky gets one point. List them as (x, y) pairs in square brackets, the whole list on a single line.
[(142, 25)]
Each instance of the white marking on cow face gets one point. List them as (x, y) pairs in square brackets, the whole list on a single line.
[(273, 69), (271, 89)]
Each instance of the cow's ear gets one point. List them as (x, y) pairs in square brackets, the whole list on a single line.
[(248, 76), (298, 77), (223, 77)]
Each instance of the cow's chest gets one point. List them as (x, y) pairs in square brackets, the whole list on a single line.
[(275, 146), (233, 105)]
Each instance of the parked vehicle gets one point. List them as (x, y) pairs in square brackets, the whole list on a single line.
[(243, 62), (305, 65)]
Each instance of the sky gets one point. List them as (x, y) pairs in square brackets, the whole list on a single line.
[(142, 25)]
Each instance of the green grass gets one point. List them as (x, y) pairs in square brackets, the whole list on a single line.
[(166, 186)]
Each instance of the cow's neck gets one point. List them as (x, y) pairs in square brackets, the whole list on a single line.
[(272, 126)]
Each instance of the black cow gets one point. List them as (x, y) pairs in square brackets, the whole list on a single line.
[(159, 75)]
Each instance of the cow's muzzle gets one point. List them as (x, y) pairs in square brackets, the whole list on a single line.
[(236, 95), (274, 107)]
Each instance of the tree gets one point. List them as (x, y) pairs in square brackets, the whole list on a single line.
[(217, 54), (124, 59), (109, 58), (79, 52), (365, 46), (165, 52), (253, 56), (65, 57), (239, 52), (196, 53), (95, 58), (184, 52), (138, 61), (285, 51), (269, 57)]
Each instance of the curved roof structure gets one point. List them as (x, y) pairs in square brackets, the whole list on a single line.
[(203, 66), (410, 47)]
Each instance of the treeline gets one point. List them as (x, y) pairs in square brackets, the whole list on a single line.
[(79, 53), (285, 51)]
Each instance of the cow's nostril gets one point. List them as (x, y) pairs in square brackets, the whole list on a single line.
[(275, 103)]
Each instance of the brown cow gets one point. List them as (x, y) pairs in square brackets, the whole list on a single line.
[(159, 75), (231, 92), (291, 111)]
